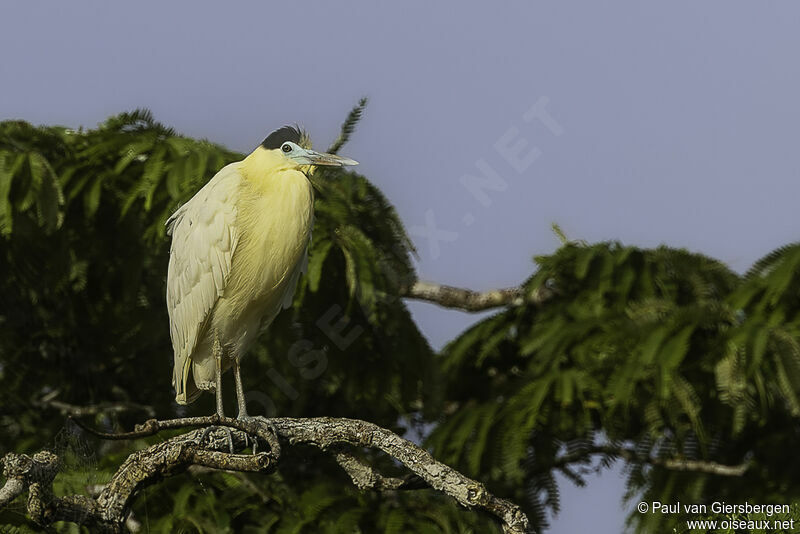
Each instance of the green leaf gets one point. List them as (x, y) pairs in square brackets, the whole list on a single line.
[(316, 260), (91, 199), (676, 347), (9, 163), (349, 126)]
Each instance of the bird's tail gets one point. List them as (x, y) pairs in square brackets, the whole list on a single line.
[(186, 391), (194, 374)]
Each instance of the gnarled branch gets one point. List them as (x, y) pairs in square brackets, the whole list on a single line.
[(211, 449), (108, 510)]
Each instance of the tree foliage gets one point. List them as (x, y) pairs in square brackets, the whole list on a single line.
[(662, 352), (647, 356), (83, 318)]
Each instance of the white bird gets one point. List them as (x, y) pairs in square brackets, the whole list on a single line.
[(238, 248)]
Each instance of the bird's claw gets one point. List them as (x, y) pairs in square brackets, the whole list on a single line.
[(272, 442), (228, 436)]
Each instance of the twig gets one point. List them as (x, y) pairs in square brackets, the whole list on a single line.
[(75, 410), (674, 464), (700, 466)]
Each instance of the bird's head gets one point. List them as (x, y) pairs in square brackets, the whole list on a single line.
[(290, 147)]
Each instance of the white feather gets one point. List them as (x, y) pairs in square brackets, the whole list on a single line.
[(204, 234)]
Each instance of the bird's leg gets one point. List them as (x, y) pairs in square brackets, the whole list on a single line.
[(237, 376), (239, 389), (216, 349), (242, 401)]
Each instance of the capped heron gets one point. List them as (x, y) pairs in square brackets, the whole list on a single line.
[(238, 248)]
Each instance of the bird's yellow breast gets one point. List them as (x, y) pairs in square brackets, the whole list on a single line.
[(274, 220)]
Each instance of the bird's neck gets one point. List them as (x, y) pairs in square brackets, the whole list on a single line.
[(263, 166)]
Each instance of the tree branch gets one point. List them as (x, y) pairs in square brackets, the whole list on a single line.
[(473, 301), (209, 448), (108, 511), (74, 410), (674, 464), (324, 432), (365, 477), (700, 466)]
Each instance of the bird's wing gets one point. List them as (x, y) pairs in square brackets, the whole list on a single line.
[(204, 237)]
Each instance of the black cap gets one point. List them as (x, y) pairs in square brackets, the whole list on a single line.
[(280, 136)]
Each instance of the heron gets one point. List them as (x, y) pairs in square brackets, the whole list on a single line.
[(239, 247)]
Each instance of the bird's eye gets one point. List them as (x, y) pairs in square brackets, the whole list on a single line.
[(286, 148)]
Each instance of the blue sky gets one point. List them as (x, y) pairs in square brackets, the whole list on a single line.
[(670, 123)]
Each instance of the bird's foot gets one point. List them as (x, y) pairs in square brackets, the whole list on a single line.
[(270, 437), (220, 432)]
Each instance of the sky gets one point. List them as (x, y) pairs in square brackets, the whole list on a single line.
[(673, 123)]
